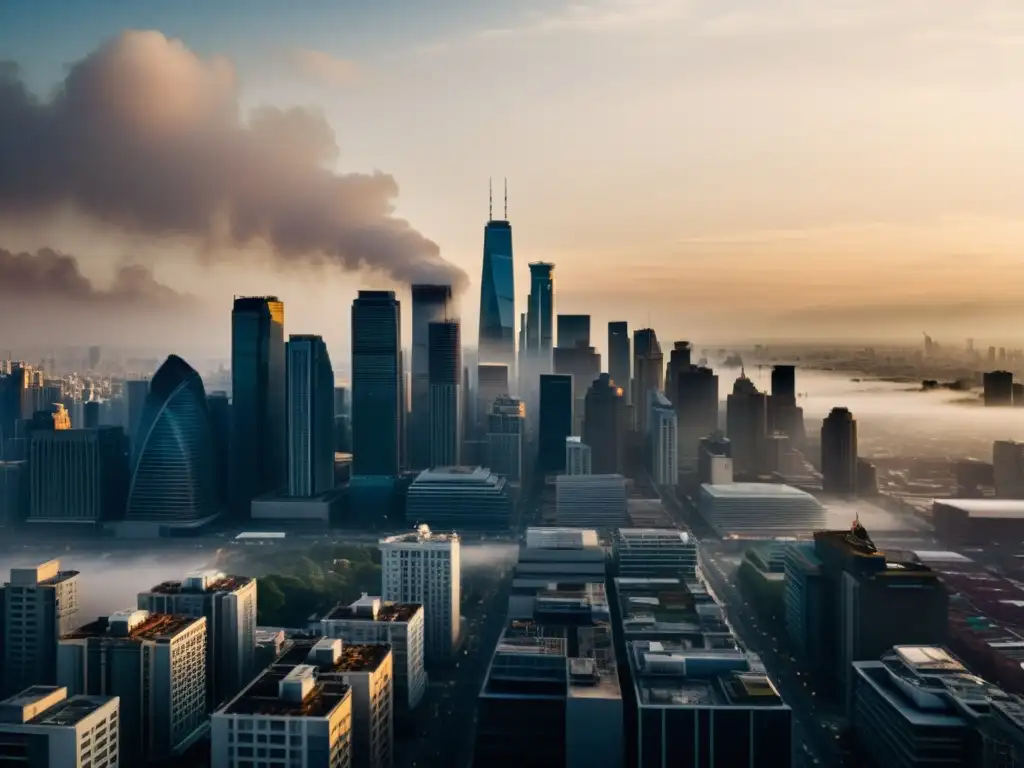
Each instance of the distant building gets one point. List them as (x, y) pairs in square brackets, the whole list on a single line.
[(714, 460), (39, 605), (591, 501), (578, 459), (370, 620), (655, 552), (696, 402), (41, 727), (14, 493), (556, 421), (492, 383), (747, 427), (839, 452), (759, 509), (1008, 469), (648, 372), (310, 425), (583, 364), (680, 359), (573, 331), (459, 498), (664, 441), (978, 521), (424, 567), (506, 426), (497, 340), (604, 425), (446, 393), (429, 305), (155, 664), (219, 408), (998, 388), (619, 358), (77, 475), (376, 384)]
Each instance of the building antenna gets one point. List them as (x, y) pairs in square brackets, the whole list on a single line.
[(490, 200), (506, 198)]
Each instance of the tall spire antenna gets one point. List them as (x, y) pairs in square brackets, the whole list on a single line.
[(506, 198), (490, 200)]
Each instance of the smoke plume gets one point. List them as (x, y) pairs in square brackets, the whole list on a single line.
[(145, 136)]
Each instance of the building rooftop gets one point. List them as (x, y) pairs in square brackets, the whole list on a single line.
[(135, 626), (657, 533), (44, 574), (421, 534), (670, 608), (258, 535), (986, 508), (353, 657), (209, 581), (48, 706), (561, 538), (358, 610), (263, 697), (761, 490)]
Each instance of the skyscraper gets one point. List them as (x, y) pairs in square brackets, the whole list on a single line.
[(491, 383), (556, 420), (429, 305), (541, 312), (696, 402), (747, 426), (839, 452), (619, 363), (679, 360), (784, 383), (573, 331), (649, 373), (174, 472), (135, 393), (445, 393), (310, 417), (604, 428), (497, 294), (257, 399), (505, 437), (376, 388), (784, 415)]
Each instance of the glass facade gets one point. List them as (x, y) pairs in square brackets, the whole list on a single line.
[(497, 296), (376, 384), (429, 305), (556, 412), (174, 475)]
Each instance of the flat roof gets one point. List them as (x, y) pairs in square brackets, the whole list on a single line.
[(156, 626), (355, 657), (386, 612), (421, 534), (875, 674), (249, 535), (993, 508), (741, 490), (263, 697), (938, 556), (70, 711), (220, 583)]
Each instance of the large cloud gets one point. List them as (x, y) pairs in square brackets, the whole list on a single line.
[(147, 137)]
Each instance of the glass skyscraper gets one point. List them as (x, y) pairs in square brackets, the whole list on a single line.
[(445, 401), (376, 384), (540, 312), (174, 474), (429, 305), (619, 362), (310, 417), (257, 399), (556, 421), (497, 296)]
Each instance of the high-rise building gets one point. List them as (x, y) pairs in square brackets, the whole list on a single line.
[(219, 407), (77, 475), (664, 441), (174, 472), (578, 459), (784, 384), (38, 605), (541, 313), (591, 501), (258, 420), (310, 416), (604, 428), (492, 382), (458, 498), (228, 603), (42, 727), (746, 419), (376, 384), (1008, 469), (424, 567), (155, 664), (839, 452), (371, 621), (556, 421), (696, 401), (679, 359), (649, 372), (430, 304), (619, 359), (497, 340), (505, 433), (998, 388), (573, 331), (445, 393), (135, 393)]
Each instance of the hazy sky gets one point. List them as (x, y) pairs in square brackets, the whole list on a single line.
[(715, 167)]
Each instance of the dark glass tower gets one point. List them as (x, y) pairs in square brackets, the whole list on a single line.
[(746, 419), (696, 402), (497, 296), (376, 383), (784, 384), (619, 363), (604, 426), (429, 305), (541, 310), (649, 370), (556, 416), (219, 406), (310, 417), (679, 360), (174, 474), (573, 331), (257, 399), (445, 390), (839, 452)]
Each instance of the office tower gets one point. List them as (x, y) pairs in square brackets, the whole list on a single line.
[(39, 605), (14, 494), (228, 603), (714, 460), (491, 383), (664, 441), (746, 420), (174, 475), (649, 370), (318, 709), (41, 727), (155, 664), (604, 428), (91, 414), (14, 398), (591, 501), (497, 339), (505, 432), (135, 393), (371, 621), (578, 458), (619, 359), (310, 416), (459, 498), (679, 359), (77, 475), (839, 452), (998, 388), (219, 408), (376, 390), (1008, 469), (696, 401), (258, 419), (342, 401), (573, 331), (424, 567), (556, 421), (583, 363), (784, 384), (652, 553), (445, 393), (541, 313), (430, 304), (51, 417)]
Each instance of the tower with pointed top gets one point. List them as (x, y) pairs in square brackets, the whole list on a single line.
[(497, 291)]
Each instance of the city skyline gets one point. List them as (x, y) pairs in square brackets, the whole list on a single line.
[(897, 210)]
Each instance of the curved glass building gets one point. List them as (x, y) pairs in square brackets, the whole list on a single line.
[(497, 297), (174, 473)]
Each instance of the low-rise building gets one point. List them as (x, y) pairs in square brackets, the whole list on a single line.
[(459, 498), (650, 552), (591, 501), (759, 509)]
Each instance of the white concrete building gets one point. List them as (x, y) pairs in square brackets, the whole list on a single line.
[(370, 620), (760, 509), (577, 457), (79, 732), (424, 567)]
